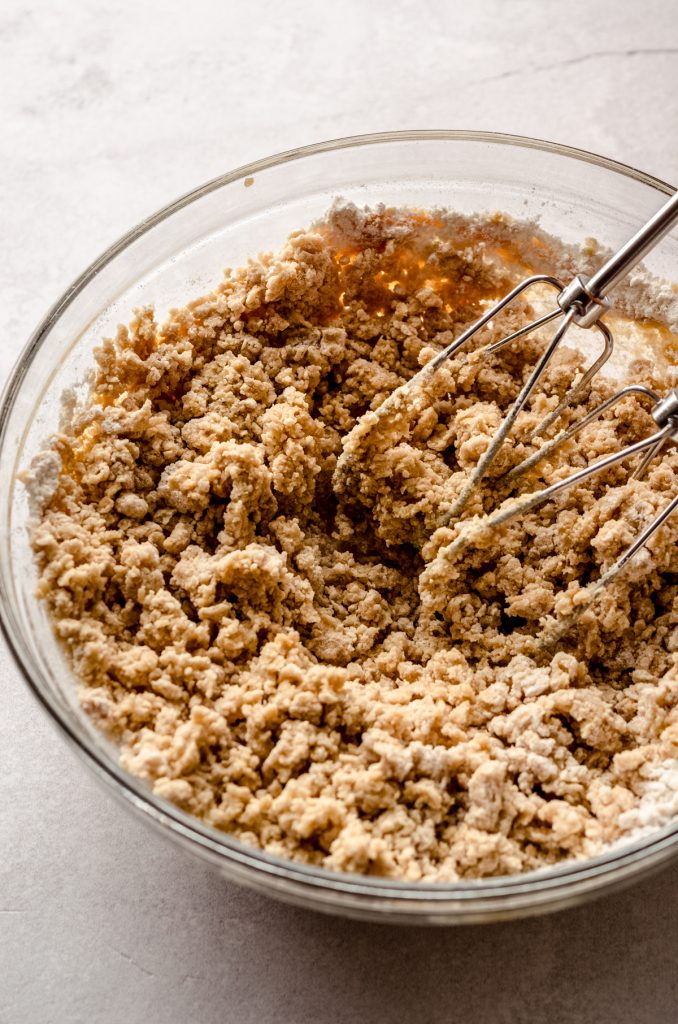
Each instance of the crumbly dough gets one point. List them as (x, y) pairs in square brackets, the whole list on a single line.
[(280, 645)]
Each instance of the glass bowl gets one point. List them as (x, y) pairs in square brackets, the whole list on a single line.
[(180, 252)]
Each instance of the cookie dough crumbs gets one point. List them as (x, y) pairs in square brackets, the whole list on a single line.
[(246, 567)]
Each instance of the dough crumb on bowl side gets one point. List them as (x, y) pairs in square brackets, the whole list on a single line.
[(284, 646)]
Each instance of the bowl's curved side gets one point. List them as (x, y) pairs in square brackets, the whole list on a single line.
[(178, 249)]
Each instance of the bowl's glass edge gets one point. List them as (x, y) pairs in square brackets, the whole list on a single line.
[(528, 893)]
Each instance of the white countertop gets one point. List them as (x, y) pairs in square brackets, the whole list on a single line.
[(108, 111)]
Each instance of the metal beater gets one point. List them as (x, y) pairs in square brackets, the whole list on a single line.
[(665, 414), (582, 302)]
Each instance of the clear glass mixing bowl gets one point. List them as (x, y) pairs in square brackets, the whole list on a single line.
[(176, 254)]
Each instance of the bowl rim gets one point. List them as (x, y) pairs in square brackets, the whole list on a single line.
[(528, 888)]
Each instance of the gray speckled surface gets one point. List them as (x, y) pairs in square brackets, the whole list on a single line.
[(108, 111)]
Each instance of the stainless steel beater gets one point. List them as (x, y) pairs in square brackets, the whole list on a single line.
[(665, 414), (582, 302)]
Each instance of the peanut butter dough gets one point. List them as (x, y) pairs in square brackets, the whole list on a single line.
[(280, 645)]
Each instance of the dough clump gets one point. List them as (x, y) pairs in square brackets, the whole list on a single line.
[(247, 569)]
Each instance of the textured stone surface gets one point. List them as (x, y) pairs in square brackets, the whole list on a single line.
[(108, 111)]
